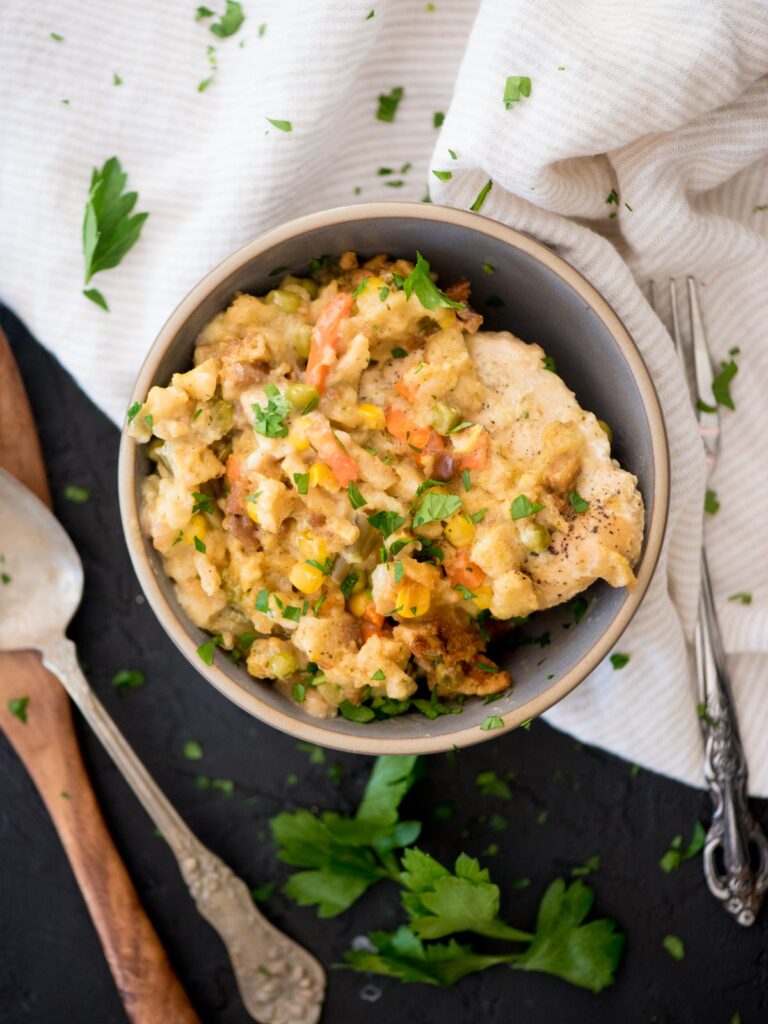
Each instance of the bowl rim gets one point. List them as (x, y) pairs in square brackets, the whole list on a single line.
[(311, 730)]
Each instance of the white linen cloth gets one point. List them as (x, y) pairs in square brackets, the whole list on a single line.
[(665, 103)]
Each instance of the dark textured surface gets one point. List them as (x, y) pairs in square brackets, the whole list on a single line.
[(51, 967)]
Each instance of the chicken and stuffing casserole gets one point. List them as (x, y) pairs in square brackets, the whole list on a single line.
[(355, 487)]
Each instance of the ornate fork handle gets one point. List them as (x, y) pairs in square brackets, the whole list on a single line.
[(736, 850), (279, 981)]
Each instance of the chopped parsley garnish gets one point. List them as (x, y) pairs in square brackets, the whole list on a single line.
[(18, 708), (56, 37), (421, 284), (78, 495), (465, 592), (378, 675), (349, 583), (150, 421), (252, 498), (203, 502), (199, 544), (711, 504), (477, 517), (675, 855), (742, 597), (437, 119), (292, 613), (360, 288), (398, 353), (193, 751), (204, 12), (461, 426), (482, 195), (612, 199), (619, 660), (674, 946), (488, 268), (577, 503), (128, 679), (484, 666), (522, 506), (302, 482), (270, 421), (388, 104), (386, 522), (549, 364), (492, 722), (465, 478), (229, 22), (96, 297), (283, 126), (579, 608), (319, 604), (5, 578), (721, 385), (435, 507), (490, 784), (324, 567), (134, 411), (109, 229), (369, 15), (431, 551), (515, 88), (205, 651), (356, 712), (443, 175), (399, 571)]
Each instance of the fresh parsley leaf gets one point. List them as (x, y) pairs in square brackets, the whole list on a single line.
[(612, 198), (229, 22), (619, 660), (742, 597), (96, 297), (435, 507), (711, 504), (356, 712), (482, 195), (421, 284), (199, 545), (399, 571), (262, 602), (488, 667), (18, 708), (465, 592), (283, 126), (77, 495), (205, 651), (202, 86), (109, 229), (466, 480), (586, 955), (128, 679), (514, 89), (721, 385), (204, 12), (361, 287), (592, 864), (302, 482), (443, 175), (270, 421), (5, 578), (193, 751), (675, 855), (369, 15), (492, 722), (386, 522), (378, 676), (348, 583), (578, 504), (133, 412), (356, 499), (388, 104), (478, 517), (437, 119), (522, 507)]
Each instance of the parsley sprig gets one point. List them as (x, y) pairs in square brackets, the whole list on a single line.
[(270, 421)]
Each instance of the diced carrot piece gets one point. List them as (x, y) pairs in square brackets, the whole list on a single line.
[(405, 389), (368, 629), (478, 457), (373, 617), (234, 467), (464, 572), (328, 447), (325, 339), (401, 426)]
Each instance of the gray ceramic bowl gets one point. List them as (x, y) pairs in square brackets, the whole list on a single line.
[(546, 301)]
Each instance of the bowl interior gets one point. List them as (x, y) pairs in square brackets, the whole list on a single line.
[(540, 303)]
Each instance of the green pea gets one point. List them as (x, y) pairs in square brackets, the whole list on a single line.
[(302, 395), (300, 336), (444, 417)]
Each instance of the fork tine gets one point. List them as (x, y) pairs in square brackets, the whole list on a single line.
[(702, 358), (676, 335)]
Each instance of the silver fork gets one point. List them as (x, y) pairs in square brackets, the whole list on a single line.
[(735, 850)]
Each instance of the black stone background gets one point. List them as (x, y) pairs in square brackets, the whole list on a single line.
[(51, 967)]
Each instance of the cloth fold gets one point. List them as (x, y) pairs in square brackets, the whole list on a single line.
[(661, 108)]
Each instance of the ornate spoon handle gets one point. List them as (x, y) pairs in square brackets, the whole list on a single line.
[(736, 850), (279, 981)]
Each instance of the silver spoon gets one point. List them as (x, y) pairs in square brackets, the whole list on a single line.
[(279, 981)]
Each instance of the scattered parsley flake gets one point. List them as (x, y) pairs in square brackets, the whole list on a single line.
[(283, 126), (349, 582), (388, 104), (711, 504), (95, 296), (383, 294), (205, 651), (443, 175), (549, 364), (229, 22), (202, 86), (675, 855), (77, 495), (18, 708), (482, 195), (674, 946), (398, 353), (193, 751), (579, 608), (492, 722), (203, 502), (302, 482), (612, 199), (356, 712), (199, 545), (522, 507), (489, 268), (378, 675), (466, 480), (619, 660), (360, 288), (721, 385), (128, 679), (437, 119), (56, 37), (420, 284), (270, 421), (577, 503), (5, 578), (742, 597), (369, 15), (465, 592), (515, 88)]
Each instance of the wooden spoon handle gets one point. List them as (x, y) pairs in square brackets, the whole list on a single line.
[(47, 746), (150, 991)]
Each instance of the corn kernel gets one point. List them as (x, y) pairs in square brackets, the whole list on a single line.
[(412, 600), (297, 437), (306, 578), (445, 317), (459, 531), (372, 416), (250, 511), (483, 597), (312, 546), (198, 527), (359, 602), (321, 475)]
